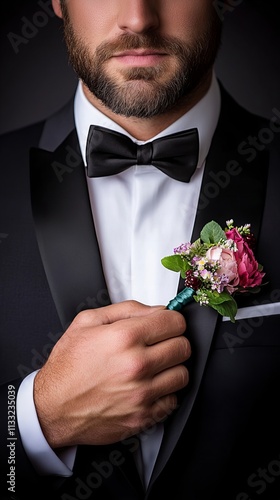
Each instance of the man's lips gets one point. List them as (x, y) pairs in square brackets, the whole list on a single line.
[(138, 57)]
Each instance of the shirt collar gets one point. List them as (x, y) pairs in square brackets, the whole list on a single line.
[(203, 116)]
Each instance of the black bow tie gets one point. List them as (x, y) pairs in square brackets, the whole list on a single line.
[(109, 153)]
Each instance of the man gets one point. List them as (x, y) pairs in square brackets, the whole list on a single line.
[(136, 401)]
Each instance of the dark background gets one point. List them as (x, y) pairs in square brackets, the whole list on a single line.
[(37, 80)]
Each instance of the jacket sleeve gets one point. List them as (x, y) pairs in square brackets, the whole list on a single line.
[(18, 478)]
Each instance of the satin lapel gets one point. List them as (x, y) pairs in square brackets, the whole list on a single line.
[(202, 323), (65, 229), (231, 188), (67, 241)]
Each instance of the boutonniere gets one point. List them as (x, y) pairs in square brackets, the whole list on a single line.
[(216, 267)]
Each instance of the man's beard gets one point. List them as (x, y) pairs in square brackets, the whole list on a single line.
[(142, 93)]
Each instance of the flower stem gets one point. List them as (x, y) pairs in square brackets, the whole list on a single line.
[(183, 298)]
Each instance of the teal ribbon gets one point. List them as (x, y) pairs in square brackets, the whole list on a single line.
[(183, 298)]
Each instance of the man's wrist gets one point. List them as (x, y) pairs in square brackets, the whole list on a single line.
[(43, 458)]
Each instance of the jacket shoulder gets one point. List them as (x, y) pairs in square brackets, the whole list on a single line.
[(18, 138), (40, 134), (237, 113)]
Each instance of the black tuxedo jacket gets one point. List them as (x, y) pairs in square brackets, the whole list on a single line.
[(223, 442)]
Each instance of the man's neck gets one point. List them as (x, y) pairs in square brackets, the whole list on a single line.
[(145, 129)]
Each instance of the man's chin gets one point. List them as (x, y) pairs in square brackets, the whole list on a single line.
[(136, 93)]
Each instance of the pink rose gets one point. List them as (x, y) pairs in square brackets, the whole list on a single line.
[(248, 268), (228, 265)]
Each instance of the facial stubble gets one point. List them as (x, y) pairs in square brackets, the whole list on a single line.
[(143, 92)]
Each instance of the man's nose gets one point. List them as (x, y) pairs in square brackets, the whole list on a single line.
[(138, 16)]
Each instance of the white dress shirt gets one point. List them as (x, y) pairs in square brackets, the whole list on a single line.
[(140, 216)]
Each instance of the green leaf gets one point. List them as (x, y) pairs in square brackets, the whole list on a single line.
[(218, 298), (196, 246), (228, 309), (175, 263), (224, 303), (212, 233)]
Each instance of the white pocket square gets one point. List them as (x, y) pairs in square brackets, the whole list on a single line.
[(255, 311)]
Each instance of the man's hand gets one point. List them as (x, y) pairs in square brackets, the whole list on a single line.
[(112, 374)]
